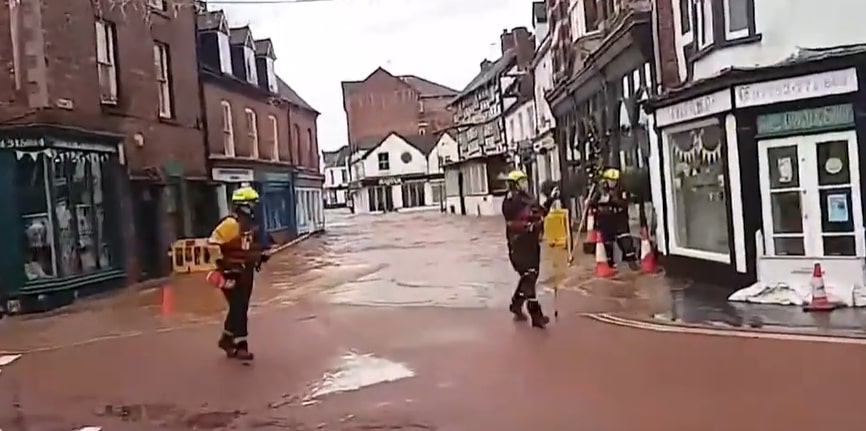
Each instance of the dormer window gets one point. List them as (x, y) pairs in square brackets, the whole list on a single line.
[(265, 57), (213, 35), (243, 54)]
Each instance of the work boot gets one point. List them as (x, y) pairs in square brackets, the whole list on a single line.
[(539, 320), (516, 309), (632, 265), (242, 352)]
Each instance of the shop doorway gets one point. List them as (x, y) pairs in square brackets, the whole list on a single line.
[(380, 199), (151, 254), (810, 190)]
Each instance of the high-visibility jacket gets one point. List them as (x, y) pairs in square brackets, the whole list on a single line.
[(236, 236)]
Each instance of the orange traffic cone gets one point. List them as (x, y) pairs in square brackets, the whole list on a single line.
[(167, 303), (648, 262), (819, 293), (602, 267), (592, 236)]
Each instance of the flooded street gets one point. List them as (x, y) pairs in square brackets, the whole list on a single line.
[(399, 322)]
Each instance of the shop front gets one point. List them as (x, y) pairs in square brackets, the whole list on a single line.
[(309, 203), (760, 178), (230, 179), (277, 204), (60, 219)]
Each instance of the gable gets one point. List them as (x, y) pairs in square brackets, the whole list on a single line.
[(381, 79), (393, 143)]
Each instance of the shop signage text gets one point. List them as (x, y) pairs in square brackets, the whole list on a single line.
[(693, 109), (806, 120), (390, 181), (21, 144), (277, 177), (232, 175), (797, 88)]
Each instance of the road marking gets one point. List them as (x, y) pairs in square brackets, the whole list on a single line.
[(659, 327), (355, 371), (90, 429)]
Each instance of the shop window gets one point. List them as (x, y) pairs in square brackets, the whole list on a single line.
[(275, 206), (63, 211), (437, 194), (699, 201), (413, 194)]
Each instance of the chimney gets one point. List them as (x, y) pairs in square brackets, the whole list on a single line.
[(524, 44), (506, 40), (485, 64)]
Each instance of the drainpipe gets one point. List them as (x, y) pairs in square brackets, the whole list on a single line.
[(201, 6)]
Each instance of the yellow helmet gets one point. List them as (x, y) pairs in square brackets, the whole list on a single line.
[(516, 175), (611, 174), (245, 195)]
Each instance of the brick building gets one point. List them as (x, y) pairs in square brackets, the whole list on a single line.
[(259, 131), (383, 103), (101, 151)]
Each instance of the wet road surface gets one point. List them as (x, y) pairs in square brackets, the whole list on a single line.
[(397, 322)]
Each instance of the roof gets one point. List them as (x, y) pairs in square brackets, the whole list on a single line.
[(428, 88), (265, 47), (240, 35), (337, 158), (423, 143), (423, 86), (487, 74), (290, 95), (212, 20)]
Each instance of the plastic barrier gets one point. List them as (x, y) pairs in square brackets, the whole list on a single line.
[(193, 255), (555, 228)]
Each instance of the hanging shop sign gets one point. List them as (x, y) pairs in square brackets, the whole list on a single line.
[(797, 88), (821, 119), (694, 109)]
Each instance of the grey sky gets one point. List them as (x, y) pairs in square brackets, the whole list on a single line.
[(321, 43)]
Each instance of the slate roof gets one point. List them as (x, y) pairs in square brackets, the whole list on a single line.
[(210, 20), (338, 158), (239, 35), (489, 73), (265, 47), (289, 94)]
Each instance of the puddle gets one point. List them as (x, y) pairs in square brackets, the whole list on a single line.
[(355, 371)]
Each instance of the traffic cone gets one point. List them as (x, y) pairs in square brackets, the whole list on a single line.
[(648, 262), (602, 267), (819, 293), (592, 236), (167, 303)]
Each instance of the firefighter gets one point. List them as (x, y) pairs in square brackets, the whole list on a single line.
[(611, 204), (242, 256), (524, 219)]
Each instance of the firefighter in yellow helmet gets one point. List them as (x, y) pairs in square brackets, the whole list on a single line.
[(524, 219), (611, 204), (242, 255)]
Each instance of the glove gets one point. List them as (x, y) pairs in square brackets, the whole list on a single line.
[(554, 194)]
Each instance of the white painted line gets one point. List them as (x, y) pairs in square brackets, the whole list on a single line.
[(90, 429), (355, 371), (658, 327), (8, 359)]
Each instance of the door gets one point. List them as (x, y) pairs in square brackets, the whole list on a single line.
[(810, 190), (151, 255)]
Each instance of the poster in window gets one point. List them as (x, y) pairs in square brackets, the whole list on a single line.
[(837, 208), (786, 170)]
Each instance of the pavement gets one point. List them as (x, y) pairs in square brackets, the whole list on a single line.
[(398, 322)]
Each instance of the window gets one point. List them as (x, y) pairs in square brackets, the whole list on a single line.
[(275, 135), (252, 133), (736, 18), (106, 42), (475, 179), (686, 16), (297, 131), (705, 23), (228, 130), (157, 4), (62, 203), (314, 155), (384, 161), (591, 16), (163, 79), (275, 206), (700, 218), (413, 194), (437, 192), (333, 180)]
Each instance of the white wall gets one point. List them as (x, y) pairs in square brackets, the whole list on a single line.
[(543, 82), (520, 124), (483, 205), (339, 174), (446, 148), (395, 146), (784, 27)]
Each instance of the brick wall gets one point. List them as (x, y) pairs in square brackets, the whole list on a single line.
[(305, 137), (380, 105), (666, 39)]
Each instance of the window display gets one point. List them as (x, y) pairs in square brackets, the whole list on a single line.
[(62, 208), (275, 205), (413, 194), (698, 183)]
